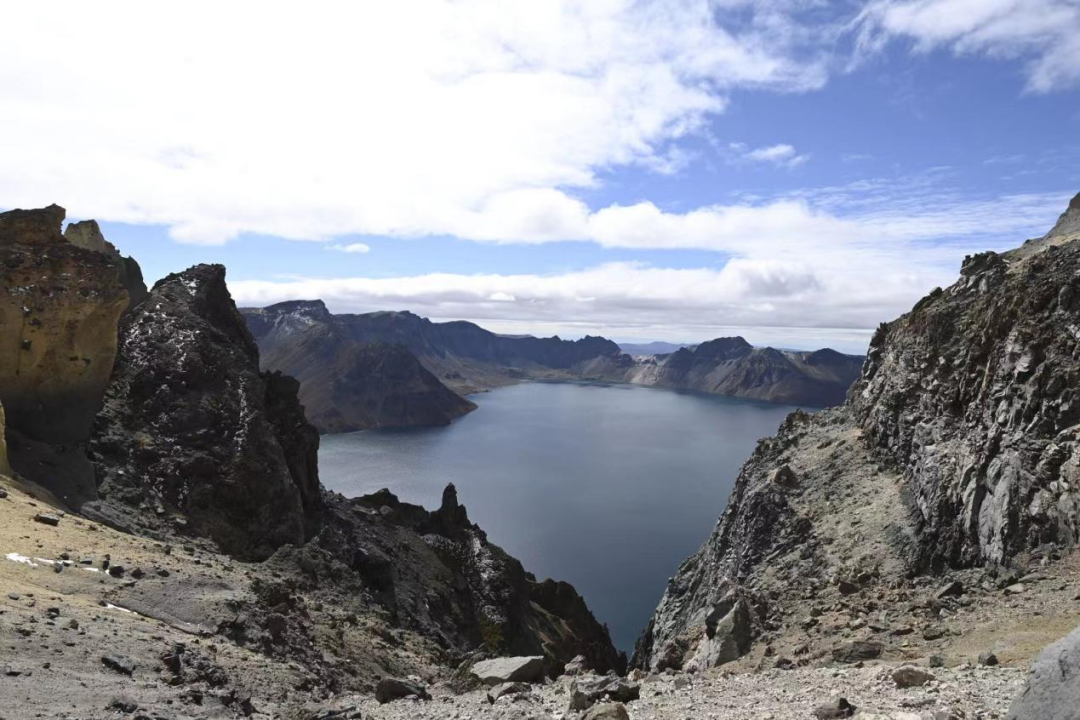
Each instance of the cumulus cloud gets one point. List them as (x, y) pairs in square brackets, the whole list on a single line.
[(1043, 33), (474, 118), (795, 277), (782, 155), (351, 248)]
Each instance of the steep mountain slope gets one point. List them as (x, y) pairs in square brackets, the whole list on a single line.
[(468, 358), (347, 385), (194, 448), (462, 355), (957, 448), (733, 367)]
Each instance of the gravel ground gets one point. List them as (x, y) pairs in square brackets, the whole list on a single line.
[(965, 692)]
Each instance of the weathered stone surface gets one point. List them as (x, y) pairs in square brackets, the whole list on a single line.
[(589, 690), (962, 437), (857, 651), (87, 234), (908, 677), (509, 669), (1052, 691), (191, 425), (58, 328), (608, 711), (836, 708), (507, 688), (390, 689)]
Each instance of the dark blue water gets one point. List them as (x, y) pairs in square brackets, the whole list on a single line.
[(607, 487)]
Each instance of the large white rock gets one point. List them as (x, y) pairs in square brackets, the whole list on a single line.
[(510, 669)]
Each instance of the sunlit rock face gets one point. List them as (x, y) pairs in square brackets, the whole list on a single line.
[(958, 446), (59, 308)]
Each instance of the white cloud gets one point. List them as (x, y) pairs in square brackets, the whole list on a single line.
[(782, 155), (791, 268), (1043, 33), (396, 118), (352, 248)]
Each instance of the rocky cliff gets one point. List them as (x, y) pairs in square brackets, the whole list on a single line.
[(295, 336), (438, 574), (192, 432), (733, 367), (347, 385), (955, 449), (58, 319)]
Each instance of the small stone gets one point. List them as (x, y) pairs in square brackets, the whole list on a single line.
[(124, 705), (390, 689), (511, 688), (953, 589), (117, 570), (1015, 589), (988, 659), (47, 519), (119, 663), (838, 707)]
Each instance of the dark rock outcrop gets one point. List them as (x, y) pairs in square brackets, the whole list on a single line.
[(437, 573), (733, 367), (191, 429), (957, 447)]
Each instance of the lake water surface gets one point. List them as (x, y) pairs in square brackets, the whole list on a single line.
[(608, 487)]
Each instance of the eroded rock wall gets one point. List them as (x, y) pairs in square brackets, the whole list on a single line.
[(958, 446), (193, 437)]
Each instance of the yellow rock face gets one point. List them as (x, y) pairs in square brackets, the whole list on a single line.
[(59, 308)]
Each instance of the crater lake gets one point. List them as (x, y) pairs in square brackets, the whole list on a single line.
[(608, 487)]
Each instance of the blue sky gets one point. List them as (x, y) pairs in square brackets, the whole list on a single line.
[(790, 170)]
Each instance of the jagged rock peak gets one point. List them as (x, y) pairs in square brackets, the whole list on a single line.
[(309, 308), (39, 226), (191, 427), (87, 234), (1069, 222)]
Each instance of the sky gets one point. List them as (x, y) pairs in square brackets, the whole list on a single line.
[(793, 171)]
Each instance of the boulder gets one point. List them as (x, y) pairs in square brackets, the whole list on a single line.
[(120, 663), (510, 688), (909, 677), (728, 631), (608, 711), (837, 707), (587, 691), (857, 651), (390, 689), (1052, 690), (577, 666), (988, 659), (510, 669)]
